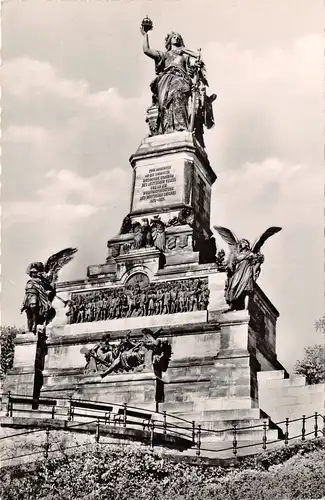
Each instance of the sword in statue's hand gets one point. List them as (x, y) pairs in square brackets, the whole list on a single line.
[(196, 88)]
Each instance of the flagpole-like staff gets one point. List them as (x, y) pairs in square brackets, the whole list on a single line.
[(195, 91)]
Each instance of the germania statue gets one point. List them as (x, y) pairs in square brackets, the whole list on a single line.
[(179, 89), (40, 289)]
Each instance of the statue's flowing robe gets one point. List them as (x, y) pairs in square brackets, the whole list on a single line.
[(159, 236), (39, 292), (172, 88), (131, 356), (241, 277)]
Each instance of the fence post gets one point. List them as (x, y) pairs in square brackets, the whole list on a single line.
[(264, 435), (53, 412), (97, 431), (286, 434), (193, 431), (165, 422), (124, 415), (47, 444), (8, 405), (70, 408), (303, 429), (152, 435), (316, 425), (198, 441), (234, 442)]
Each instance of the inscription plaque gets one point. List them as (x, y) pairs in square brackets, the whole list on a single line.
[(158, 185)]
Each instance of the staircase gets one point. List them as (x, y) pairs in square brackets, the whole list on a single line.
[(291, 398)]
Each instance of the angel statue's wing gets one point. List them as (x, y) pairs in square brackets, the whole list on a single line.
[(262, 239), (58, 260), (227, 235)]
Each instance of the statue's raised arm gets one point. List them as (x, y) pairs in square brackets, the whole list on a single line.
[(146, 26)]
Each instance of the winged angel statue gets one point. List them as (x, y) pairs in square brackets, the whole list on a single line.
[(40, 289), (243, 266)]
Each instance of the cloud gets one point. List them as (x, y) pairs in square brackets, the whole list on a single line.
[(68, 198), (26, 134), (270, 192), (269, 102), (26, 78)]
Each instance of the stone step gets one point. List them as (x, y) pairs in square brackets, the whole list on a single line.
[(296, 411), (271, 375), (255, 435), (293, 390), (225, 415), (176, 407), (233, 391), (296, 381), (182, 397), (300, 399), (228, 424), (224, 403)]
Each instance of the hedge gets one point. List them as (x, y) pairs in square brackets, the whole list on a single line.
[(113, 473)]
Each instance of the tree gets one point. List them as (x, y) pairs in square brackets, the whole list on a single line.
[(312, 366), (320, 325), (7, 342)]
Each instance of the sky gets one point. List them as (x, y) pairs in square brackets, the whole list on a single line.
[(75, 87)]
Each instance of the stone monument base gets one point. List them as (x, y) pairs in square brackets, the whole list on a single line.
[(212, 373)]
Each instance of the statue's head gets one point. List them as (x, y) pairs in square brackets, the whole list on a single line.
[(244, 245), (34, 268), (174, 39)]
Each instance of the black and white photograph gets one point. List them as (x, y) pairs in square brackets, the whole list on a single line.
[(162, 250)]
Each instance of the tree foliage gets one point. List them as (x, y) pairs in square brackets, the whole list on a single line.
[(7, 342), (320, 325), (312, 366)]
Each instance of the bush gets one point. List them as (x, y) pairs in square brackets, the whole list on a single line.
[(7, 342), (320, 325), (112, 473), (312, 366)]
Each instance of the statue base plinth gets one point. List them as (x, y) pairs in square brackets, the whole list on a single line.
[(172, 173)]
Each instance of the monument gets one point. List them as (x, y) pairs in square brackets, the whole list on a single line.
[(167, 321)]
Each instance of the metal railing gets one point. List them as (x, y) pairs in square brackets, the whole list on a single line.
[(157, 428)]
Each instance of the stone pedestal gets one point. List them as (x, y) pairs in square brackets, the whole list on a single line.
[(26, 378), (171, 172), (215, 355), (20, 378)]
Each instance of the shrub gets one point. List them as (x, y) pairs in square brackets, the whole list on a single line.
[(320, 325), (7, 342), (312, 366), (113, 473)]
